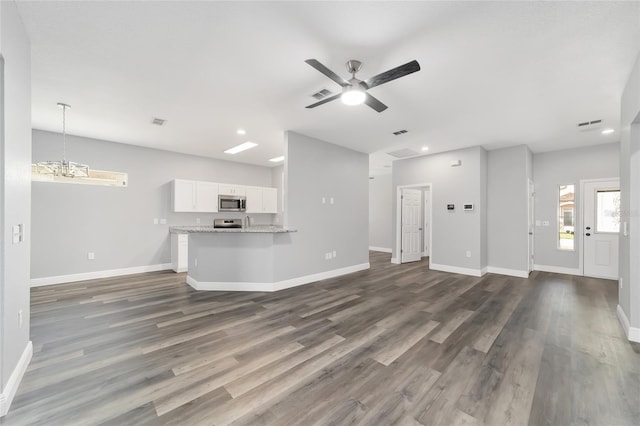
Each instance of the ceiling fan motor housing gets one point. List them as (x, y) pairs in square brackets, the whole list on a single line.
[(353, 66)]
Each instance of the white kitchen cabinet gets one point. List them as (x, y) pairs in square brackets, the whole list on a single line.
[(254, 199), (269, 200), (184, 195), (227, 189), (195, 196), (179, 252), (206, 197)]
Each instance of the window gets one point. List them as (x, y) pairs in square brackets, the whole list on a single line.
[(608, 211), (566, 217)]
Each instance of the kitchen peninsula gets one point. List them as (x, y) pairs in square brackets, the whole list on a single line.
[(235, 259)]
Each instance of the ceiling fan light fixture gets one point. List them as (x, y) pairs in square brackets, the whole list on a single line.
[(353, 95)]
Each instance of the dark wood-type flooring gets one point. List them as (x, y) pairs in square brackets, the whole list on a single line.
[(396, 344)]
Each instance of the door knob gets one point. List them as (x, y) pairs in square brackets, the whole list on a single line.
[(588, 227), (587, 234)]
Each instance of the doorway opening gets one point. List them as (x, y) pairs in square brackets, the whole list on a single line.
[(413, 223)]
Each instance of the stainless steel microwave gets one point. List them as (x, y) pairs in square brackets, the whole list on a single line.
[(232, 203)]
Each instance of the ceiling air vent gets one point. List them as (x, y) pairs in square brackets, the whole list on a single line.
[(587, 126), (403, 153), (158, 121), (321, 94), (400, 132)]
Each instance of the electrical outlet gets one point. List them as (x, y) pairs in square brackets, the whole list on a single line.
[(91, 255), (545, 223), (334, 254), (468, 253), (331, 200), (326, 256), (155, 220), (20, 318), (163, 221), (197, 221)]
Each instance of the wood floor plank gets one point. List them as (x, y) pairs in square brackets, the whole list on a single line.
[(394, 344)]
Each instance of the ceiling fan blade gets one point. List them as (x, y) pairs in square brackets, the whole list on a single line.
[(325, 100), (374, 103), (392, 74), (326, 71)]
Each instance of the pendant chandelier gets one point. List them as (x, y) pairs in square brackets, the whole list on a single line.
[(65, 171), (64, 167)]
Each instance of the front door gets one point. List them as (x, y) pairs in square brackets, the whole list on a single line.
[(411, 229), (600, 228)]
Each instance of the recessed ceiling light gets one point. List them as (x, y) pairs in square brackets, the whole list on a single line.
[(241, 147), (241, 131), (607, 131), (425, 148), (276, 159)]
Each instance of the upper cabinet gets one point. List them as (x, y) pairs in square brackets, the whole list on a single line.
[(202, 197), (226, 189), (195, 196)]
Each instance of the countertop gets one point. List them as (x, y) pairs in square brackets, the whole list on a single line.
[(256, 229)]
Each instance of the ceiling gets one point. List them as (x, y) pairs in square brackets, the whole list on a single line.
[(493, 73)]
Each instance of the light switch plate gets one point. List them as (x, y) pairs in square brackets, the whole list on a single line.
[(16, 233)]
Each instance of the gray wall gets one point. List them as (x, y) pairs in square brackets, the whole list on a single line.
[(117, 223), (507, 246), (453, 233), (316, 169), (551, 169), (15, 184), (380, 212), (629, 294)]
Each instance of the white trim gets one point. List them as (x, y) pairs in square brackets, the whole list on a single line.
[(37, 282), (511, 272), (632, 333), (382, 249), (457, 270), (395, 260), (9, 391), (557, 269), (279, 285)]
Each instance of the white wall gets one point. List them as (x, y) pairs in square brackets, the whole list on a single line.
[(15, 182), (380, 212), (551, 169), (507, 244), (117, 223), (315, 169), (453, 233), (629, 294)]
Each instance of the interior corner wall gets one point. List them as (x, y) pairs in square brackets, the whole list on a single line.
[(315, 169), (116, 224), (380, 212), (629, 293), (15, 183), (507, 209), (453, 232), (551, 169)]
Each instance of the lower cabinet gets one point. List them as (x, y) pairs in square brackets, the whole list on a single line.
[(179, 252)]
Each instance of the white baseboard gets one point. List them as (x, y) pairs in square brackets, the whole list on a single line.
[(557, 269), (37, 282), (632, 333), (9, 391), (505, 271), (382, 249), (395, 260), (279, 285), (457, 270)]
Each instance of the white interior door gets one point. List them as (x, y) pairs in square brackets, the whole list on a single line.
[(601, 227), (531, 225), (411, 231)]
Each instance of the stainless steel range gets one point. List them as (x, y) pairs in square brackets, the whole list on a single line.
[(227, 223)]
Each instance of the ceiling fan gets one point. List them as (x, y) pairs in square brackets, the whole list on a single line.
[(354, 91)]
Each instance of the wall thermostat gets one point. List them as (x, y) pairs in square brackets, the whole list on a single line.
[(467, 207), (451, 206)]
